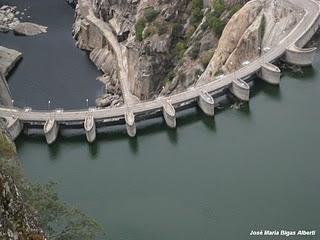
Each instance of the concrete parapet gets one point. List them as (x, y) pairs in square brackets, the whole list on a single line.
[(130, 124), (206, 103), (14, 127), (240, 89), (300, 56), (169, 114), (90, 128), (51, 129), (270, 73)]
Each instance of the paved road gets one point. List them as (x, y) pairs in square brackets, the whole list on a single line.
[(309, 19)]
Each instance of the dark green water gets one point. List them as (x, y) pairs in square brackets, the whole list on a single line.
[(250, 169)]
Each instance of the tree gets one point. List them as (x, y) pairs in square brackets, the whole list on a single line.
[(218, 7), (216, 24), (139, 27), (60, 221), (150, 14)]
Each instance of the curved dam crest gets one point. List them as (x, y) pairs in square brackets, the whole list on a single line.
[(289, 49)]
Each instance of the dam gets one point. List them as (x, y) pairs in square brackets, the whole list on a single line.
[(132, 110)]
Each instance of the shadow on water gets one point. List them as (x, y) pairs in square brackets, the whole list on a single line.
[(93, 150), (54, 150), (307, 73), (157, 125), (172, 135), (133, 144), (208, 121), (272, 91)]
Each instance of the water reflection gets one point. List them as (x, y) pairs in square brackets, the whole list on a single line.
[(172, 135), (93, 150)]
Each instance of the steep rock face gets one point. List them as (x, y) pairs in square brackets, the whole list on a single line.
[(149, 59), (89, 38), (258, 25), (8, 59), (170, 44), (17, 220)]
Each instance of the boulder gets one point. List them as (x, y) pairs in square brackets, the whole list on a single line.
[(29, 29)]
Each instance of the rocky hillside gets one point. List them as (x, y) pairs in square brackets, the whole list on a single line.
[(172, 45), (167, 41), (256, 28), (17, 220)]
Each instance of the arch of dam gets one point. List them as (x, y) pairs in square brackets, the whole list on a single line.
[(291, 49)]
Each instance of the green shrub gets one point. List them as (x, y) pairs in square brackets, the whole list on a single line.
[(197, 4), (218, 7), (150, 14), (177, 31), (169, 77), (139, 27), (198, 73), (161, 28), (235, 8), (196, 12), (196, 17), (194, 51), (216, 24), (180, 48)]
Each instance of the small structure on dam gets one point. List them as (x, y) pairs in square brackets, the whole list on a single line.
[(90, 128), (51, 129), (169, 114), (270, 73), (206, 103), (300, 56), (130, 124), (240, 89)]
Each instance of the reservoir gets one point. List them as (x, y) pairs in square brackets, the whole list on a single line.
[(52, 69), (249, 169)]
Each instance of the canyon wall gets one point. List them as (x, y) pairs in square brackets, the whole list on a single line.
[(170, 44)]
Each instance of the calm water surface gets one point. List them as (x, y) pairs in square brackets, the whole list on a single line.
[(257, 168), (250, 169), (52, 69)]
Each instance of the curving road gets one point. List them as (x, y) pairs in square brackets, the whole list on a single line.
[(303, 31)]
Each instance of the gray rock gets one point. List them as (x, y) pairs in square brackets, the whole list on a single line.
[(29, 29), (4, 29)]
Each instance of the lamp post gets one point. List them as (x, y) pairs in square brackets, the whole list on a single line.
[(87, 100), (49, 104)]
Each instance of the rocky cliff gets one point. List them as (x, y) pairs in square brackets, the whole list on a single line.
[(256, 28), (17, 220), (170, 44)]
